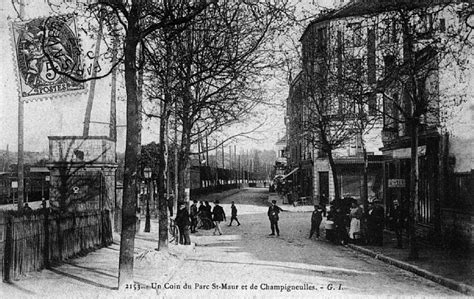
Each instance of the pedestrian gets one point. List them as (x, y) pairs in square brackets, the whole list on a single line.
[(340, 220), (202, 207), (273, 212), (194, 214), (330, 233), (354, 229), (378, 215), (233, 214), (183, 222), (27, 208), (209, 213), (397, 219), (370, 223), (316, 219), (218, 216)]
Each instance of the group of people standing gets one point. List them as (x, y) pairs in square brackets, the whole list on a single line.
[(344, 225), (187, 221)]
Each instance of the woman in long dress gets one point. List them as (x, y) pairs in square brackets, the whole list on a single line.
[(355, 215)]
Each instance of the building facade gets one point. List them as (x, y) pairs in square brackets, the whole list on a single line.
[(412, 64)]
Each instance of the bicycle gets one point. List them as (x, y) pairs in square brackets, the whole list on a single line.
[(173, 232), (205, 223)]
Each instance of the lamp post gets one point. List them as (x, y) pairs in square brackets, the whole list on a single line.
[(147, 174)]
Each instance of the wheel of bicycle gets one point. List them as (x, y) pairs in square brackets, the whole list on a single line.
[(173, 234)]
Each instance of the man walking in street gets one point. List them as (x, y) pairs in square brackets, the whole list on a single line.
[(233, 214), (316, 219), (273, 212), (194, 215), (218, 216), (183, 222)]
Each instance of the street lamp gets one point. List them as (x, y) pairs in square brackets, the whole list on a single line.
[(147, 174)]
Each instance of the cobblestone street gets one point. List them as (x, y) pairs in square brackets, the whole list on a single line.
[(245, 255)]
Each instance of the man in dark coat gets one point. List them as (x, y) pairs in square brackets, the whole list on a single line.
[(194, 214), (218, 216), (183, 222), (233, 216), (397, 219), (377, 219), (340, 223), (316, 219), (273, 212)]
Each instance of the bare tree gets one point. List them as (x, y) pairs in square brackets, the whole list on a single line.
[(137, 20), (216, 61)]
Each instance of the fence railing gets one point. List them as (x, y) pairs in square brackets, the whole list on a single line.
[(31, 241)]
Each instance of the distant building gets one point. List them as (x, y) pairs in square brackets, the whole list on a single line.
[(281, 160)]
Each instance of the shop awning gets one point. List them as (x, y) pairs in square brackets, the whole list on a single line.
[(290, 173)]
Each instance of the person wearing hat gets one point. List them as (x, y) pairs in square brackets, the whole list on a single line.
[(355, 215), (218, 216), (194, 216), (183, 222), (316, 219), (233, 216), (397, 219), (273, 212)]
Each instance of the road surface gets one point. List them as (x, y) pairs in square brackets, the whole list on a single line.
[(246, 262)]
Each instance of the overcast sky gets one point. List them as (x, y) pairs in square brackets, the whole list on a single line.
[(65, 115)]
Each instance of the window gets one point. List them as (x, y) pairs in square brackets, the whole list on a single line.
[(322, 39), (426, 24), (442, 25), (390, 111), (357, 36), (372, 104), (389, 32), (355, 74), (389, 63)]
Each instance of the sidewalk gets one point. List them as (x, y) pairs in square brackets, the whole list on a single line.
[(96, 274), (288, 207), (452, 270)]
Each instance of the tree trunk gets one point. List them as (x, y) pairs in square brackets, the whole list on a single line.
[(337, 189), (414, 176), (132, 153), (183, 163), (163, 201), (365, 196)]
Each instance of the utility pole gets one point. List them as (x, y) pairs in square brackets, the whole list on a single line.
[(113, 93), (240, 171), (235, 163), (175, 198), (90, 100), (21, 116), (207, 151), (223, 153)]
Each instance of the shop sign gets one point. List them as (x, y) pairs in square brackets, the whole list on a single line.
[(405, 153), (396, 183)]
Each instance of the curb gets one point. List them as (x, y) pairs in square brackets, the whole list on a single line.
[(449, 283)]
